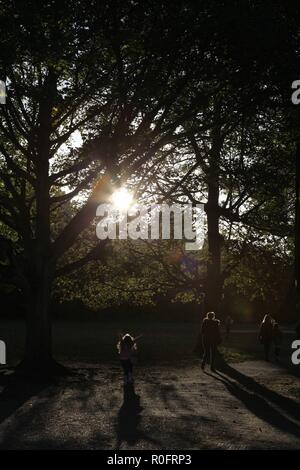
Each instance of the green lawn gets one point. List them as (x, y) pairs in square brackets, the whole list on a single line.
[(162, 342)]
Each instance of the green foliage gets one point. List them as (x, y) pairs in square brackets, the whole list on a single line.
[(110, 93)]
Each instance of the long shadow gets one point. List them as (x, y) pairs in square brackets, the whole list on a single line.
[(129, 419), (278, 411), (287, 405)]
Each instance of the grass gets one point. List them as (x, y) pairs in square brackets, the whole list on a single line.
[(95, 342)]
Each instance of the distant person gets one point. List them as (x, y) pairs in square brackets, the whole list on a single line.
[(228, 323), (277, 338), (211, 338), (127, 349), (266, 334)]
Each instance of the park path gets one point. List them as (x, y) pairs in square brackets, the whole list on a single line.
[(251, 405)]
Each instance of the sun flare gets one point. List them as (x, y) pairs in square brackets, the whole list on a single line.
[(122, 198)]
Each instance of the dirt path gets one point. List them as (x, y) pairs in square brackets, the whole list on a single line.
[(251, 405)]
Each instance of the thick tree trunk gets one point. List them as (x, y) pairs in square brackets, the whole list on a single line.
[(38, 353), (297, 224), (214, 278)]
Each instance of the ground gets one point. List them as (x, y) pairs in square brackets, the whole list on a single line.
[(174, 405)]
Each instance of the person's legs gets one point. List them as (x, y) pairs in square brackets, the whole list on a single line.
[(205, 354), (126, 369), (267, 350), (212, 356), (130, 372)]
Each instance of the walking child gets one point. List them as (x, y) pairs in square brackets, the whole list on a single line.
[(127, 349)]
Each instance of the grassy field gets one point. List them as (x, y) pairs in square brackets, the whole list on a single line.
[(95, 342)]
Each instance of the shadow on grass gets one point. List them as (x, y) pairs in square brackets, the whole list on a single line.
[(129, 420), (277, 410), (15, 391), (28, 405)]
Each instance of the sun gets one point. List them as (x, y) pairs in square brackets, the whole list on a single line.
[(122, 198)]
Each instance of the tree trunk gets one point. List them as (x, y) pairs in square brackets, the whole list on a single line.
[(38, 353), (297, 224), (214, 279)]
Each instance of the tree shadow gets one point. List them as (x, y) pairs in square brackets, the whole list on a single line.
[(15, 391), (27, 404), (172, 398), (276, 410), (129, 419)]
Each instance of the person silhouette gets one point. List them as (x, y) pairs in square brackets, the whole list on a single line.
[(127, 349), (211, 337), (265, 335)]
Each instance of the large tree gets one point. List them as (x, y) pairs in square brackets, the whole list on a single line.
[(94, 90), (237, 155)]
